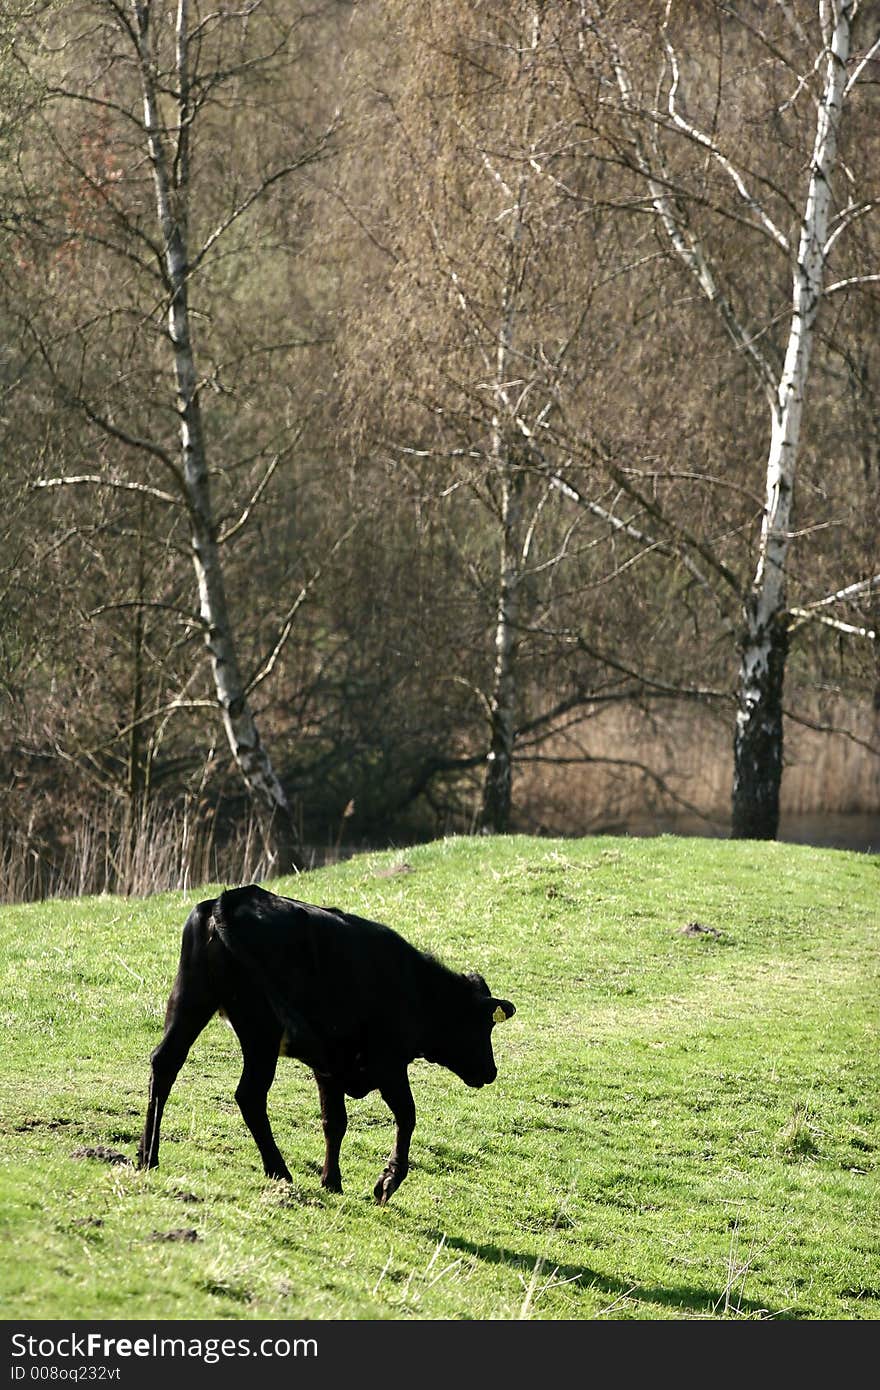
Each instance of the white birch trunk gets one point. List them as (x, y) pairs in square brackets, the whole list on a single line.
[(758, 740), (763, 647), (171, 181)]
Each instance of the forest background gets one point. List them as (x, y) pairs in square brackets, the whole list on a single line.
[(432, 417)]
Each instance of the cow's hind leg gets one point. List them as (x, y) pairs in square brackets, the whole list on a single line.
[(334, 1118), (259, 1047), (187, 1014), (398, 1097)]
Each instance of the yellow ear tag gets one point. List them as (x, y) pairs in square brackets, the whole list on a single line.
[(499, 1015)]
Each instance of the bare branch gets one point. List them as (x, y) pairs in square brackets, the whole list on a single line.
[(130, 226), (712, 480), (161, 710), (802, 79), (97, 480), (268, 665), (190, 618), (255, 194), (148, 446), (850, 281), (872, 52), (650, 773), (65, 94), (764, 219), (263, 484), (683, 538), (535, 730), (823, 728), (646, 684), (252, 502), (686, 245), (810, 612), (849, 629), (846, 218), (861, 586)]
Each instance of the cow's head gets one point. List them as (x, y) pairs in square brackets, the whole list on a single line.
[(465, 1044)]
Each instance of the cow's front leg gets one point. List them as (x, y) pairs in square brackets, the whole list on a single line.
[(334, 1119), (398, 1097)]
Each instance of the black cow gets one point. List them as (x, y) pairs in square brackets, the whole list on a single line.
[(346, 996)]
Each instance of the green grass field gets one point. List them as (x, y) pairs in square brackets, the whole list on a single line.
[(683, 1125)]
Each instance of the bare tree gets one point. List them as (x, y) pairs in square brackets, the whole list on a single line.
[(145, 88), (487, 267), (682, 144)]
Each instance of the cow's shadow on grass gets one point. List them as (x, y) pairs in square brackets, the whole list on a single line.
[(698, 1300)]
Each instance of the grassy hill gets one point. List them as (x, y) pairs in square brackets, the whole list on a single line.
[(685, 1122)]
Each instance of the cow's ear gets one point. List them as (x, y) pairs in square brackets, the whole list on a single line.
[(502, 1009)]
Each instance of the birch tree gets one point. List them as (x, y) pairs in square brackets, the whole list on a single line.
[(157, 78), (684, 151)]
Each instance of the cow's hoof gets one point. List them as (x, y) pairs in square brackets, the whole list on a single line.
[(279, 1174), (331, 1184), (388, 1182)]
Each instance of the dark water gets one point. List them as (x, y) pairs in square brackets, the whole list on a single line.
[(858, 832)]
